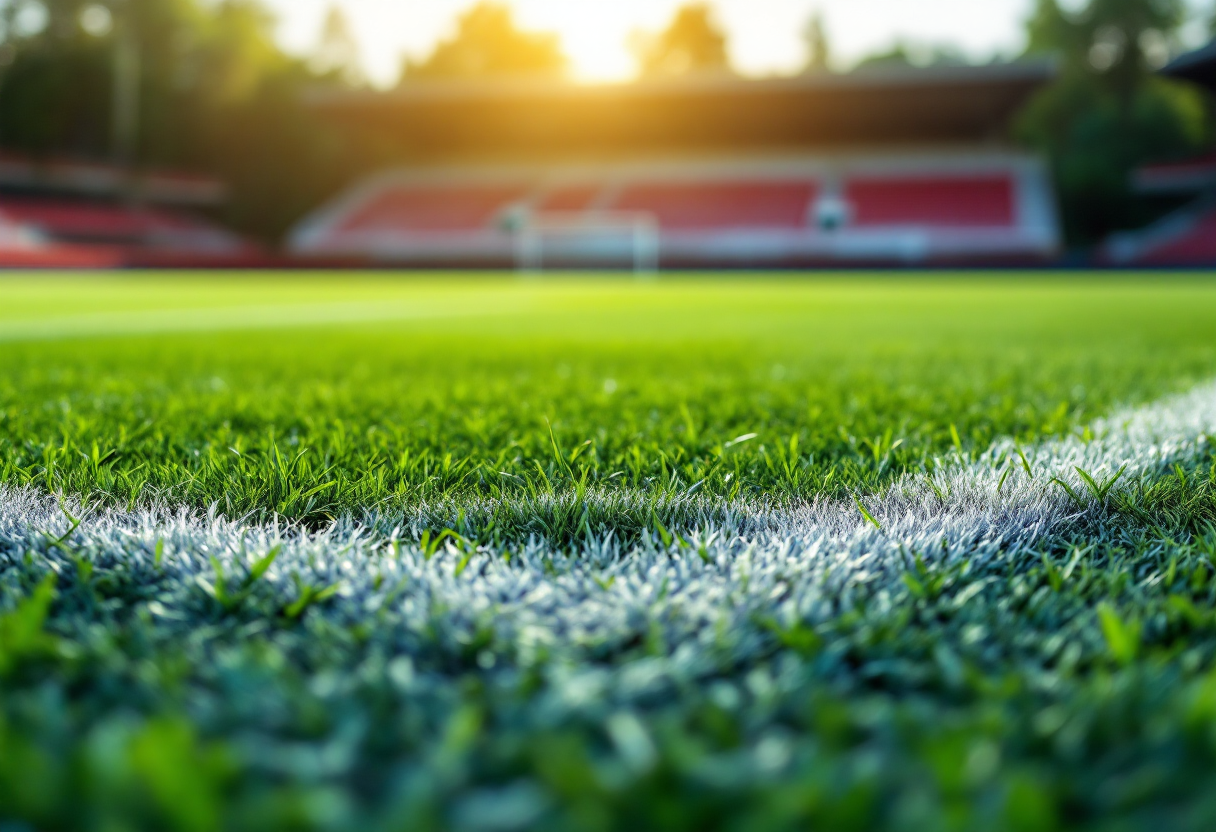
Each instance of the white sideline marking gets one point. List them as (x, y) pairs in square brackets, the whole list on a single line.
[(702, 605), (219, 319)]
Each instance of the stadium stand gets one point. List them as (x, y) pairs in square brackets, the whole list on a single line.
[(918, 207), (432, 208), (719, 205), (1186, 237), (21, 247), (951, 202), (67, 214), (874, 167)]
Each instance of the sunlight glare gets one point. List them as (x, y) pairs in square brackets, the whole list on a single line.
[(765, 35)]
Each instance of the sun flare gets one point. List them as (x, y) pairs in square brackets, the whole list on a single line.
[(765, 35), (594, 35)]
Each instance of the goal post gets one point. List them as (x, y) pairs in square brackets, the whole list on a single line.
[(587, 239)]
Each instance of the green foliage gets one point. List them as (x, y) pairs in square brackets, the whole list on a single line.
[(216, 95), (818, 46), (903, 56), (693, 42), (1108, 112), (21, 630), (1099, 490), (1122, 637), (489, 44)]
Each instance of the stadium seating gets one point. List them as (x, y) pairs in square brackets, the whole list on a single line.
[(570, 198), (1196, 246), (433, 208), (58, 257), (66, 220), (75, 232), (952, 202), (72, 212), (1185, 238), (1183, 176), (712, 206), (771, 212), (21, 247)]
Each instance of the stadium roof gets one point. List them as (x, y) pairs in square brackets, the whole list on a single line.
[(70, 177), (1198, 66), (536, 118)]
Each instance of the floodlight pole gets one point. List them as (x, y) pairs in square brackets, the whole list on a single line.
[(125, 101)]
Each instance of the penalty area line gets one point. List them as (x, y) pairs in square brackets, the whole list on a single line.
[(801, 565)]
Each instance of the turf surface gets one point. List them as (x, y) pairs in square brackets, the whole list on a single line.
[(483, 395), (1069, 687)]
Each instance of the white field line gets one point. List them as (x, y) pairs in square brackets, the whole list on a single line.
[(219, 319), (701, 601)]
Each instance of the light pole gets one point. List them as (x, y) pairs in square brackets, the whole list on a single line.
[(8, 14), (124, 117)]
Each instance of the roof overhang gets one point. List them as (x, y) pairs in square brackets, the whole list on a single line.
[(66, 177), (1184, 176), (1198, 66), (510, 119)]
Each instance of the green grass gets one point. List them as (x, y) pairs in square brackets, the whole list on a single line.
[(506, 391), (1071, 689)]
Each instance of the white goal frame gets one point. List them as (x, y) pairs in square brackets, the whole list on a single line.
[(590, 238)]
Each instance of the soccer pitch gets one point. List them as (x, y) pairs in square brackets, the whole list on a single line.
[(340, 551)]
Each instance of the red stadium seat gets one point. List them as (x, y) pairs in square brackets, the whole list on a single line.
[(65, 219), (1196, 245), (971, 202), (78, 233), (59, 257), (569, 198), (433, 208), (937, 207), (21, 248), (706, 206), (1187, 243)]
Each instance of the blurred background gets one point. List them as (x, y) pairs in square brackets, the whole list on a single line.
[(625, 134)]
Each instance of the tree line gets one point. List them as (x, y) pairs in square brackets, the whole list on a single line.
[(216, 93)]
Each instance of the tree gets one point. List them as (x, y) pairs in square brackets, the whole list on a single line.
[(904, 56), (215, 94), (54, 85), (1111, 39), (1108, 112), (337, 52), (692, 42), (488, 43), (818, 48)]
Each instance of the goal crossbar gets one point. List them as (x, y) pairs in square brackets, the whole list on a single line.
[(588, 238)]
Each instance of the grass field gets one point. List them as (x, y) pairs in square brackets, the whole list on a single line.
[(859, 552)]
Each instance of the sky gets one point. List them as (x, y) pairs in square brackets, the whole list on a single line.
[(765, 35)]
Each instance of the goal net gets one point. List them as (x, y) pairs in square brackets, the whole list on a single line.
[(589, 239)]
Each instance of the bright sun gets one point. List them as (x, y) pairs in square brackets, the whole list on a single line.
[(765, 35), (594, 35)]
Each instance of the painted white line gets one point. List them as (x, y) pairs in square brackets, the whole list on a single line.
[(700, 602), (219, 319)]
